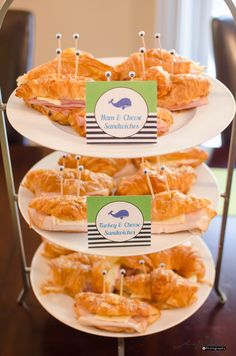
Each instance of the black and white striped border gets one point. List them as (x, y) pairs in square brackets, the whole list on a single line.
[(95, 135), (96, 240)]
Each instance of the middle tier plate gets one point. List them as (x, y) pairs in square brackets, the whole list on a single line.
[(205, 186)]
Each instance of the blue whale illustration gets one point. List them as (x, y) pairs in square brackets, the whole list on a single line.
[(122, 103), (120, 214)]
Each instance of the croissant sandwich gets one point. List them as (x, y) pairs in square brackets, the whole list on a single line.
[(156, 57), (58, 213), (70, 274), (181, 259), (180, 212), (178, 92), (180, 179), (190, 157), (111, 166), (163, 287), (88, 66), (56, 98), (187, 92), (114, 313), (48, 182)]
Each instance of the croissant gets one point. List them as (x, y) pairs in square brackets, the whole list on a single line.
[(182, 259), (190, 157), (51, 250), (180, 179), (58, 213), (109, 166), (169, 290), (180, 212), (187, 91), (88, 66), (153, 58), (70, 274), (48, 181), (163, 287), (55, 97), (114, 313)]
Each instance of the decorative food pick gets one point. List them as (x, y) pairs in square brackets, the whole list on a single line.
[(80, 169), (77, 157), (108, 75), (142, 51), (158, 38), (162, 268), (58, 37), (104, 273), (142, 263), (166, 181), (58, 52), (76, 37), (122, 273), (172, 52), (77, 54), (61, 169), (158, 163), (132, 75), (142, 35), (146, 172), (142, 160), (64, 159)]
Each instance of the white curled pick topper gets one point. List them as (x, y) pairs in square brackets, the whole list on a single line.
[(123, 221), (121, 112)]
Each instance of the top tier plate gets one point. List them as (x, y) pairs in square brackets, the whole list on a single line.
[(190, 128)]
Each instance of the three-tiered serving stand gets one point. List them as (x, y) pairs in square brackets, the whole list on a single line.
[(181, 136)]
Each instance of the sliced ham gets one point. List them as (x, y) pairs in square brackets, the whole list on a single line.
[(66, 104), (192, 105), (196, 220), (116, 324), (162, 127)]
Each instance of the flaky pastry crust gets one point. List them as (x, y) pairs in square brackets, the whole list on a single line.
[(66, 207), (166, 207), (111, 304), (180, 179)]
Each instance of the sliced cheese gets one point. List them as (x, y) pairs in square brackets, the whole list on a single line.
[(50, 100), (57, 221), (180, 219), (123, 319)]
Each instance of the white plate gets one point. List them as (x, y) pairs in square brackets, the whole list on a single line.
[(61, 306), (190, 128), (205, 186)]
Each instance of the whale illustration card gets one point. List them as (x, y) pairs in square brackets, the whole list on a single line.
[(121, 221), (121, 112)]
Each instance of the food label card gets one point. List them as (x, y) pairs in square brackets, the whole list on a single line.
[(122, 221), (121, 112)]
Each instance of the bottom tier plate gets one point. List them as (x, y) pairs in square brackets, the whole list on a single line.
[(61, 306)]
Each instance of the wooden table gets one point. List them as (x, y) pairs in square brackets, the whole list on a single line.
[(36, 333)]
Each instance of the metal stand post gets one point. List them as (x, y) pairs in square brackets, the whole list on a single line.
[(121, 346), (226, 196), (13, 204)]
